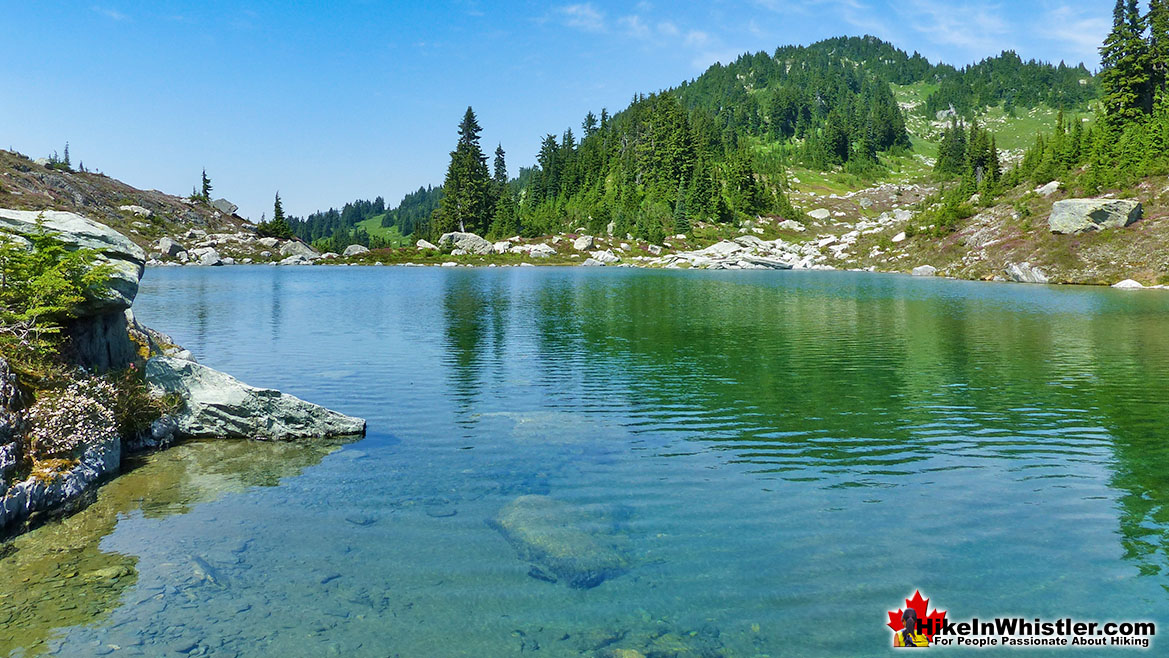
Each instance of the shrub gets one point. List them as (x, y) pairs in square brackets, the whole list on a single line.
[(65, 422)]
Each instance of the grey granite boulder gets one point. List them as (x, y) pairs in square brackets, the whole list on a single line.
[(583, 243), (1080, 215), (354, 249), (925, 270), (607, 257), (224, 206), (298, 248), (125, 258), (423, 244), (1025, 273), (217, 405), (468, 242), (168, 247)]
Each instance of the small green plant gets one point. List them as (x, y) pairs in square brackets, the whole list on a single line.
[(42, 284)]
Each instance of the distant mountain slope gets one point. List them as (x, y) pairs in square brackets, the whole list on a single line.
[(27, 185)]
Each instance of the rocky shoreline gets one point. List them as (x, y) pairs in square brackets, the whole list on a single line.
[(105, 336)]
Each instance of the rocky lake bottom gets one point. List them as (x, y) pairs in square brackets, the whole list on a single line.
[(605, 462)]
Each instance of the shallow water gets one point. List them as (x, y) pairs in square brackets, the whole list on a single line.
[(792, 455)]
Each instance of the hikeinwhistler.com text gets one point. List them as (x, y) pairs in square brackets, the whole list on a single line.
[(1019, 632)]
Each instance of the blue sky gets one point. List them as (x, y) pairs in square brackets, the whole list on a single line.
[(331, 101)]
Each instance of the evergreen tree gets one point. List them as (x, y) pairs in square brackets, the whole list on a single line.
[(206, 193), (65, 161), (1158, 22), (500, 173), (1124, 74), (278, 226), (466, 199)]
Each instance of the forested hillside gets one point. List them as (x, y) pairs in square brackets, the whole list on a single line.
[(716, 148)]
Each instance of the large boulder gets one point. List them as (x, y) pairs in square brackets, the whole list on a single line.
[(168, 247), (224, 206), (606, 257), (1081, 215), (563, 542), (1025, 273), (423, 244), (354, 249), (468, 242), (298, 248), (583, 243), (217, 405), (125, 258), (541, 251), (925, 270)]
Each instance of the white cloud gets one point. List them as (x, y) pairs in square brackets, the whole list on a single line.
[(583, 16), (634, 26), (111, 13)]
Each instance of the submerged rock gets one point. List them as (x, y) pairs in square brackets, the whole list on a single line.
[(219, 405), (560, 541), (1081, 215)]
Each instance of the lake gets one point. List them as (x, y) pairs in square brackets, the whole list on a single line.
[(780, 458)]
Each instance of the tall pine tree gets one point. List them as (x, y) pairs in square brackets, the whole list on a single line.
[(466, 201), (1124, 75)]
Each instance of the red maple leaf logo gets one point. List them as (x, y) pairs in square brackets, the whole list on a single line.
[(930, 623)]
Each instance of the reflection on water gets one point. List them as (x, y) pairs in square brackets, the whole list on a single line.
[(785, 449), (58, 575)]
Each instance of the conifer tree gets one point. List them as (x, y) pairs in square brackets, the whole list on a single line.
[(500, 173), (206, 193), (1124, 75), (466, 191), (1158, 22)]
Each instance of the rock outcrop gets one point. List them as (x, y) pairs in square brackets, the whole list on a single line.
[(563, 542), (61, 493), (924, 270), (354, 249), (298, 248), (1080, 215), (217, 405), (468, 242)]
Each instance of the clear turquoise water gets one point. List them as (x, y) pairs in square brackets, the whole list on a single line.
[(794, 453)]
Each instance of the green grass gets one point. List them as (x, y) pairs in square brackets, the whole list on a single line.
[(373, 226)]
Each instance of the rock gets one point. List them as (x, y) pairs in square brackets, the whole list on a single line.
[(423, 244), (63, 493), (125, 258), (655, 249), (583, 243), (902, 215), (768, 263), (1048, 189), (468, 242), (328, 255), (354, 249), (560, 539), (168, 247), (265, 254), (224, 206), (298, 248), (228, 260), (1024, 273), (592, 262), (138, 211), (610, 228), (1080, 215), (1128, 284), (541, 251), (295, 259), (501, 247), (820, 214), (210, 257), (268, 243), (216, 404), (606, 257), (865, 203), (790, 225), (900, 237), (925, 270)]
